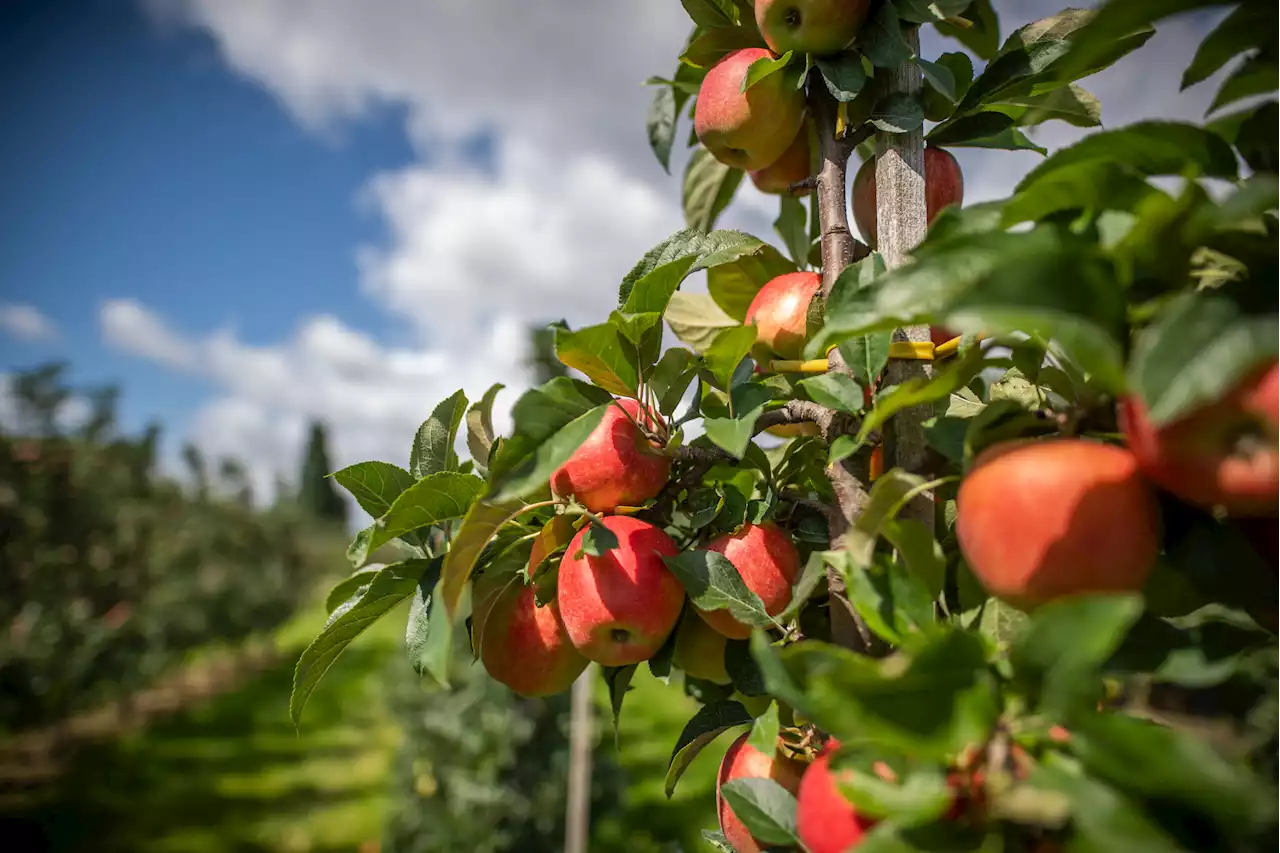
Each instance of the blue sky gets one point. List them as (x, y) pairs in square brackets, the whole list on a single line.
[(141, 168), (251, 213)]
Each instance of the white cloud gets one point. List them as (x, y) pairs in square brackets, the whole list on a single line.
[(574, 200), (26, 323), (128, 325)]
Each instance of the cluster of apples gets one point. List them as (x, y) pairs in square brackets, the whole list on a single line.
[(620, 607), (1041, 519), (762, 130)]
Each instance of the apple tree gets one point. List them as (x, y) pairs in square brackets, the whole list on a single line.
[(1004, 577)]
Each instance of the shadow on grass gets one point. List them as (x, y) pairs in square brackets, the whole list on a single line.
[(231, 775)]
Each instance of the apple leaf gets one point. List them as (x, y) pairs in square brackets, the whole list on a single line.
[(866, 356), (599, 352), (709, 186), (1070, 103), (707, 250), (434, 498), (1200, 346), (1116, 22), (917, 551), (920, 798), (734, 284), (387, 588), (892, 602), (764, 730), (1150, 148), (711, 13), (1013, 72), (350, 587), (929, 11), (844, 76), (671, 377), (374, 485), (1249, 25), (765, 67), (734, 432), (898, 112), (727, 350), (713, 583), (709, 723), (479, 527), (881, 40), (428, 636), (1255, 76), (743, 671), (939, 77), (978, 125), (618, 680), (835, 391), (919, 391), (549, 424), (432, 449), (652, 291), (596, 541), (697, 320), (712, 45), (767, 809), (716, 839), (480, 432), (660, 123), (982, 36)]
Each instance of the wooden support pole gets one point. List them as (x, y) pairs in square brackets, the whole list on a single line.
[(577, 817), (900, 225)]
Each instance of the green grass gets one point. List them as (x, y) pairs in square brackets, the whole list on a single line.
[(233, 775)]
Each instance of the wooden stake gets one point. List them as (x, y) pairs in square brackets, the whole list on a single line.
[(577, 817), (900, 225)]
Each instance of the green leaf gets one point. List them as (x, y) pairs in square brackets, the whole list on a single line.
[(1053, 28), (979, 125), (727, 350), (711, 13), (1015, 71), (960, 67), (1255, 76), (1163, 763), (922, 797), (792, 228), (707, 250), (918, 551), (709, 723), (432, 450), (348, 588), (1249, 25), (881, 40), (480, 433), (550, 423), (743, 671), (733, 433), (939, 77), (660, 123), (716, 839), (866, 356), (1102, 819), (843, 75), (387, 589), (733, 285), (764, 67), (848, 294), (1255, 137), (1200, 346), (764, 731), (652, 291), (1070, 103), (767, 809), (618, 680), (478, 528), (918, 392), (1151, 148), (358, 550), (1091, 185), (983, 37), (894, 604), (898, 112), (596, 541), (713, 583), (598, 351), (709, 186), (931, 703), (1116, 21), (671, 377), (835, 391), (428, 636), (374, 485), (434, 498), (696, 319), (1067, 641), (714, 44)]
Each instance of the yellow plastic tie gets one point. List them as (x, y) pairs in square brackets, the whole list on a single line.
[(817, 365), (946, 349), (912, 350)]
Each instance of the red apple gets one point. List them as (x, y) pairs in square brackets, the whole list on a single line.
[(617, 465), (522, 645), (943, 185), (792, 167), (768, 563), (1037, 520), (821, 27), (620, 607), (744, 761), (748, 130), (1222, 454), (780, 312), (825, 820), (700, 650)]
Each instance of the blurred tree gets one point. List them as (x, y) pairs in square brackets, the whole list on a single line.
[(316, 492), (541, 359)]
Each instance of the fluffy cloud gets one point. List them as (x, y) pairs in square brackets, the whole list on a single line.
[(26, 323), (471, 256)]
